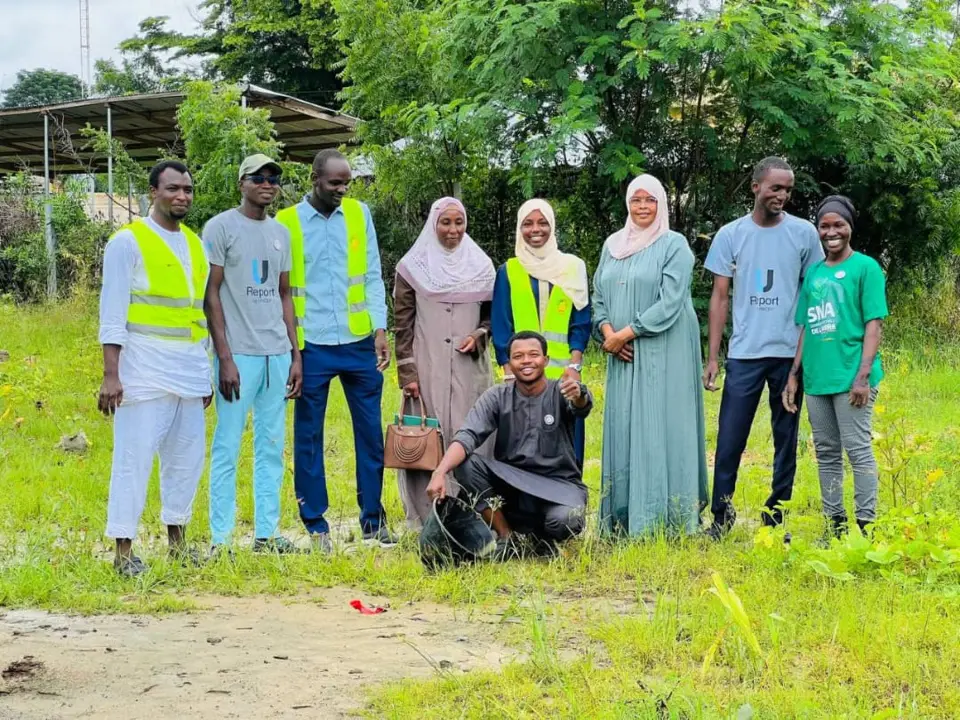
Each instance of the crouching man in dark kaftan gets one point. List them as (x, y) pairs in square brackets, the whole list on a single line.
[(534, 486)]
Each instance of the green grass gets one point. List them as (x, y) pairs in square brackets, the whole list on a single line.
[(610, 631)]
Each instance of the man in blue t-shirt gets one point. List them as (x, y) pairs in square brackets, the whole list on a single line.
[(765, 255)]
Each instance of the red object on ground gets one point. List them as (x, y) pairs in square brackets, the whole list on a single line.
[(365, 610)]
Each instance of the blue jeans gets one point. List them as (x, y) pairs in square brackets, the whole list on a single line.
[(356, 366), (742, 388), (263, 386)]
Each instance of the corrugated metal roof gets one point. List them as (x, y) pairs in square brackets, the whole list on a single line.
[(147, 126)]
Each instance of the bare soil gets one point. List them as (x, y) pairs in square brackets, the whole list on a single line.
[(241, 658)]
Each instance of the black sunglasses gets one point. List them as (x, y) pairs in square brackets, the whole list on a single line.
[(261, 179)]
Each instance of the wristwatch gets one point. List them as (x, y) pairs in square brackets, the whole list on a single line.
[(576, 367)]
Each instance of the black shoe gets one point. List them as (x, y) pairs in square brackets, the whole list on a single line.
[(507, 549), (321, 543), (279, 545), (838, 526), (721, 527), (864, 524), (542, 548), (220, 550), (381, 536), (186, 556), (130, 566)]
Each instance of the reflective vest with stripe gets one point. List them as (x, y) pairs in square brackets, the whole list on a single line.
[(555, 327), (358, 316), (172, 305)]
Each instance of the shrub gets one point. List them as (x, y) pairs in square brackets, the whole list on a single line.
[(23, 251)]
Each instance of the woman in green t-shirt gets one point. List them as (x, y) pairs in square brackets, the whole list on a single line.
[(841, 309)]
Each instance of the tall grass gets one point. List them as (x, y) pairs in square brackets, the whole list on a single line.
[(630, 630)]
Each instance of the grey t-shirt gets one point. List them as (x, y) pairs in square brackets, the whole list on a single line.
[(767, 266), (252, 254)]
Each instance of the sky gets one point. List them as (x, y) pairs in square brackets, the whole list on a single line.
[(46, 33)]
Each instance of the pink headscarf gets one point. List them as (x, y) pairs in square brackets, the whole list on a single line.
[(632, 238), (462, 275)]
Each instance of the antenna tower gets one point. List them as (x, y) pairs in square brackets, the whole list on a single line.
[(85, 74)]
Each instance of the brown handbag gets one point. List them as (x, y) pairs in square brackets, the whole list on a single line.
[(412, 447)]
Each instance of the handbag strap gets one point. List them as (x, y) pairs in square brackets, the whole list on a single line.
[(403, 406)]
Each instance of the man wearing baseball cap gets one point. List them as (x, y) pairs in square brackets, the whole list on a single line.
[(249, 308)]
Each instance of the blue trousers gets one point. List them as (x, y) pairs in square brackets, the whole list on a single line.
[(263, 386), (742, 388), (356, 366)]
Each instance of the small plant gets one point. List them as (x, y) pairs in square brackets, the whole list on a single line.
[(916, 543), (897, 449), (748, 646)]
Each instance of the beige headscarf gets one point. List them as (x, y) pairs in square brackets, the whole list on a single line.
[(547, 263), (632, 238)]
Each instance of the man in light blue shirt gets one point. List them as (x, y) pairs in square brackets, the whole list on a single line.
[(340, 338), (764, 255)]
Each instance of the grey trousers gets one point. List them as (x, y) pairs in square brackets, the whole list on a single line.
[(838, 426)]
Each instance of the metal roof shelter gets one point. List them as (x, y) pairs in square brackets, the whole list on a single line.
[(145, 123), (45, 139)]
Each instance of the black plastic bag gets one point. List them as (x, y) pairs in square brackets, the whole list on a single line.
[(454, 533)]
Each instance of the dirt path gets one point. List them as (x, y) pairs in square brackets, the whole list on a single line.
[(242, 658)]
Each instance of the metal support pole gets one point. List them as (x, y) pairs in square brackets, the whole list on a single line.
[(243, 106), (109, 165), (48, 213), (129, 200), (91, 194)]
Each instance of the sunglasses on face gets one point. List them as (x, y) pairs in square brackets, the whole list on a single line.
[(261, 179)]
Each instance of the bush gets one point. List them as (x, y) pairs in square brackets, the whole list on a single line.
[(925, 309), (23, 251)]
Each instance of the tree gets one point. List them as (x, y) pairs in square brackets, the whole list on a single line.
[(113, 81), (421, 136), (216, 133), (418, 122), (861, 97), (42, 87), (286, 45), (148, 63)]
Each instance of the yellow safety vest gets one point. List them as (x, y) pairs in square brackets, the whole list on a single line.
[(167, 308), (555, 327), (358, 316)]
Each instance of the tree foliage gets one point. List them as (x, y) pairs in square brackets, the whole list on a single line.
[(42, 87), (285, 45), (148, 63), (217, 133), (574, 97)]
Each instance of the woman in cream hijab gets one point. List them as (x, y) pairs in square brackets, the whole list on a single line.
[(544, 290), (654, 473)]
